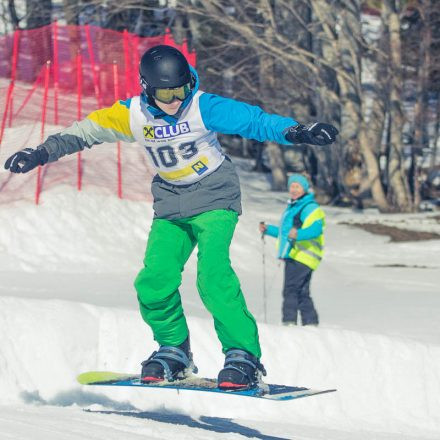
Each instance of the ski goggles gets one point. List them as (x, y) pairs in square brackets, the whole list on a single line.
[(169, 95)]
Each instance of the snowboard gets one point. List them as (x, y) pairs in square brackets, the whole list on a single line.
[(195, 383)]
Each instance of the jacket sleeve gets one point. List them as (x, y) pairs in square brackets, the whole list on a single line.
[(228, 116), (105, 125), (272, 231), (315, 229), (312, 231)]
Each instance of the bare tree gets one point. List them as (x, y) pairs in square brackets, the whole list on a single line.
[(421, 47), (305, 59), (398, 193), (264, 44), (339, 31), (266, 89), (321, 79), (316, 63)]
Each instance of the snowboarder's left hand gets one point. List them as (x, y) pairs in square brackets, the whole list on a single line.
[(316, 133), (25, 160)]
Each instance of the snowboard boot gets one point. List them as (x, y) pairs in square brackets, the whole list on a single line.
[(168, 364), (241, 371)]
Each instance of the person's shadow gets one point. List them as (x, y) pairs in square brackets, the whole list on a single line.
[(81, 398), (216, 424)]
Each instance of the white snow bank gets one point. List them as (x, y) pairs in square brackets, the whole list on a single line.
[(384, 384), (73, 232), (93, 244)]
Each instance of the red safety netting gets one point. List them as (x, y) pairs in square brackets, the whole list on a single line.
[(54, 75)]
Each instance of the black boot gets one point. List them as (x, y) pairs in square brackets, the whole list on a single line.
[(241, 371), (168, 363)]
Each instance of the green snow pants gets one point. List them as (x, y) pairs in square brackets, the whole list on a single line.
[(170, 244)]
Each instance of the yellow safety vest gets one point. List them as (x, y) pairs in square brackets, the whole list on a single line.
[(310, 252)]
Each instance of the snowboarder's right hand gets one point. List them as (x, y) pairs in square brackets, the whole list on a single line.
[(25, 160)]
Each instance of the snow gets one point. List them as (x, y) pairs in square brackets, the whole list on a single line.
[(67, 305)]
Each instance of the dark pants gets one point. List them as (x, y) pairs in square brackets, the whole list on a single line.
[(296, 293)]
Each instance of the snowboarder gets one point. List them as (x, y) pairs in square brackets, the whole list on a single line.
[(196, 195), (301, 243)]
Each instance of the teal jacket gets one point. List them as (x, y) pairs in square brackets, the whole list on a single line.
[(306, 205)]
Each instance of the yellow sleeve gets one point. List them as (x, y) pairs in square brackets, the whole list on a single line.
[(114, 119)]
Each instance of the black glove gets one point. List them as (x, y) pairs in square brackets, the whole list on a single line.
[(316, 133), (25, 160)]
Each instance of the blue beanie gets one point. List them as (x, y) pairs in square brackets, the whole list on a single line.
[(298, 178)]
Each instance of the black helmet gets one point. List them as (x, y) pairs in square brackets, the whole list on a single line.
[(163, 67)]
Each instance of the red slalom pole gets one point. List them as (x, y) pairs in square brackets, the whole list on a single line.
[(55, 70), (11, 83), (43, 123), (118, 144), (79, 111)]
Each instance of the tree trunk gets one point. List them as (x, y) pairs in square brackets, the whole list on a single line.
[(340, 46), (373, 123), (277, 166), (436, 134), (267, 83), (178, 28), (71, 11), (373, 171), (38, 14), (347, 45), (13, 13), (398, 191)]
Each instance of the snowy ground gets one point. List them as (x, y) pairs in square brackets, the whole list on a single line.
[(67, 305)]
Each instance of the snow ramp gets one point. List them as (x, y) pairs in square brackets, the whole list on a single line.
[(384, 384)]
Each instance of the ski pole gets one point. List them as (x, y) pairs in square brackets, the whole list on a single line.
[(264, 275)]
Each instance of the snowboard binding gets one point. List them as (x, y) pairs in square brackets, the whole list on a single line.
[(169, 363), (241, 371)]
